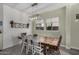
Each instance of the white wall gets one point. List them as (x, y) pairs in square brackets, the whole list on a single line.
[(10, 34), (1, 27), (1, 15), (74, 27), (1, 12)]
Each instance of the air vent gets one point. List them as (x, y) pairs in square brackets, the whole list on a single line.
[(34, 4)]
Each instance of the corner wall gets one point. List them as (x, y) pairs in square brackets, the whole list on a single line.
[(10, 34)]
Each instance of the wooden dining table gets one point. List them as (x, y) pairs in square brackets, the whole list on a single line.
[(48, 42)]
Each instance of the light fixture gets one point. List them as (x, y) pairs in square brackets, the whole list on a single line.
[(34, 4)]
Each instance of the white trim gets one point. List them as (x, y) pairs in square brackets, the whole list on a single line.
[(69, 47), (65, 46), (75, 48)]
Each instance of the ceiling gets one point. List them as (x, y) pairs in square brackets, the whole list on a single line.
[(40, 7)]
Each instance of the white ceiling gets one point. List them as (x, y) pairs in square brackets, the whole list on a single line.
[(41, 7)]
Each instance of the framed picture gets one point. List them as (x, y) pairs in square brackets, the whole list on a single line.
[(77, 16), (17, 25)]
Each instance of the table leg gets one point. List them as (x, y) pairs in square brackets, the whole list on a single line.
[(44, 50)]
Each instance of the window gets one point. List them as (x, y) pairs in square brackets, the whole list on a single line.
[(40, 24), (52, 23)]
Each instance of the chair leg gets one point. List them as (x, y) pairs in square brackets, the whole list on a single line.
[(27, 49), (22, 48), (32, 50)]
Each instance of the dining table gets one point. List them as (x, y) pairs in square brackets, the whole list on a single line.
[(48, 43)]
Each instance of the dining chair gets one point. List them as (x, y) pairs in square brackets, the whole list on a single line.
[(32, 45), (24, 41), (29, 49), (37, 49), (24, 44)]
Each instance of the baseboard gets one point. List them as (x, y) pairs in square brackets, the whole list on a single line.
[(69, 47), (65, 46), (75, 48)]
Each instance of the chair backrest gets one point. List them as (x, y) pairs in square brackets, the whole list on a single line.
[(37, 45), (60, 38), (23, 34), (29, 37), (36, 40)]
